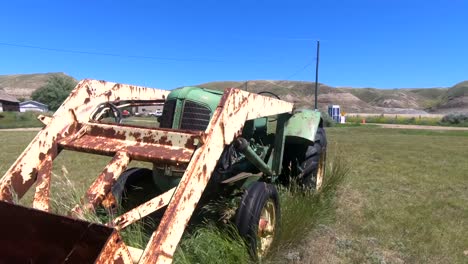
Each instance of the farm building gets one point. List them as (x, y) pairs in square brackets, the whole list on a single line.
[(33, 106), (8, 103)]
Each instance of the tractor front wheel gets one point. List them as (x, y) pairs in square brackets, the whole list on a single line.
[(258, 218)]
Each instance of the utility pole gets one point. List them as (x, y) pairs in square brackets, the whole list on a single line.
[(316, 74)]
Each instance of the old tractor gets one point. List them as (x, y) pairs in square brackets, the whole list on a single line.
[(207, 144)]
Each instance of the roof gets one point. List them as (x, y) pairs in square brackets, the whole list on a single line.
[(32, 102), (6, 97)]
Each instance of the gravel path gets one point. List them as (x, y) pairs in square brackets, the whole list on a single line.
[(22, 129), (381, 125), (421, 127)]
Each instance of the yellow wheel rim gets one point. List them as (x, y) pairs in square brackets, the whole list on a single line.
[(321, 170), (266, 228)]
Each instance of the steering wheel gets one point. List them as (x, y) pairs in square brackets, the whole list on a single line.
[(270, 93), (274, 96), (115, 111)]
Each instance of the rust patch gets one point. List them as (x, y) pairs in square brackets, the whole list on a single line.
[(73, 128), (118, 260), (164, 141), (136, 135), (18, 186), (106, 132), (88, 90), (42, 195), (103, 184), (190, 142)]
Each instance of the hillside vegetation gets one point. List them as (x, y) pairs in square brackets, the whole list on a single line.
[(454, 101), (22, 86)]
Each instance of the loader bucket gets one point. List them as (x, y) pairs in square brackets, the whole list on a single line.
[(33, 236)]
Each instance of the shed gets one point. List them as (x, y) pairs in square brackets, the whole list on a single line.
[(8, 102), (33, 106)]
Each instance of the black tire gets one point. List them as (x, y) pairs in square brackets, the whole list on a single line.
[(313, 166), (259, 198), (134, 187)]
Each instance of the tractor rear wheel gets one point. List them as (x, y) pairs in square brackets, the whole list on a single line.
[(315, 159), (258, 218), (134, 187)]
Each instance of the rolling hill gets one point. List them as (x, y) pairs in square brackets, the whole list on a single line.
[(22, 85), (355, 100), (352, 100), (454, 100)]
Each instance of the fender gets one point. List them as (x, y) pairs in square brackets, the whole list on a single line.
[(303, 124)]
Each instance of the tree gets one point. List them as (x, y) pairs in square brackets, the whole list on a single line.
[(55, 91)]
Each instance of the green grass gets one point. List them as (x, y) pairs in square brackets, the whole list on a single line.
[(211, 244), (145, 121), (73, 172), (404, 200), (29, 119), (406, 196), (296, 204), (19, 120)]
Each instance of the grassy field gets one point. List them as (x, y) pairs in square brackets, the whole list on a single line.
[(405, 200), (29, 119), (19, 120)]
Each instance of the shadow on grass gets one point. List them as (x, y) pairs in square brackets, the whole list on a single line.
[(301, 212)]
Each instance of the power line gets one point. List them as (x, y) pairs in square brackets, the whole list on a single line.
[(245, 83), (114, 54), (143, 57), (299, 71)]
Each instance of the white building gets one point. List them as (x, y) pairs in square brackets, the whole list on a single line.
[(33, 106)]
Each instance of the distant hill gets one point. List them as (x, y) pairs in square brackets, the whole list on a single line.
[(355, 100), (454, 100), (22, 85), (352, 100)]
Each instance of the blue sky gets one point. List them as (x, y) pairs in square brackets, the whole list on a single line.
[(167, 44)]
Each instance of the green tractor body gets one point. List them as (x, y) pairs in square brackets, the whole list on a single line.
[(192, 108)]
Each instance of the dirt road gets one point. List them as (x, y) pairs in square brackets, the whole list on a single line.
[(421, 127), (381, 125), (21, 129)]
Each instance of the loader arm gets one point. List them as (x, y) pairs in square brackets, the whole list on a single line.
[(71, 128), (35, 163), (235, 108)]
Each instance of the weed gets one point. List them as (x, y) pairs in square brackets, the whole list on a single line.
[(302, 211), (211, 244), (396, 119), (455, 119)]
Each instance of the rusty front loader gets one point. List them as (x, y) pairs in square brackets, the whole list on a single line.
[(207, 142)]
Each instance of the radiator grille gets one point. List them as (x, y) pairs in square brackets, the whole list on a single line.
[(168, 114), (195, 116)]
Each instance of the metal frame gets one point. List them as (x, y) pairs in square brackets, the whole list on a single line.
[(70, 128)]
